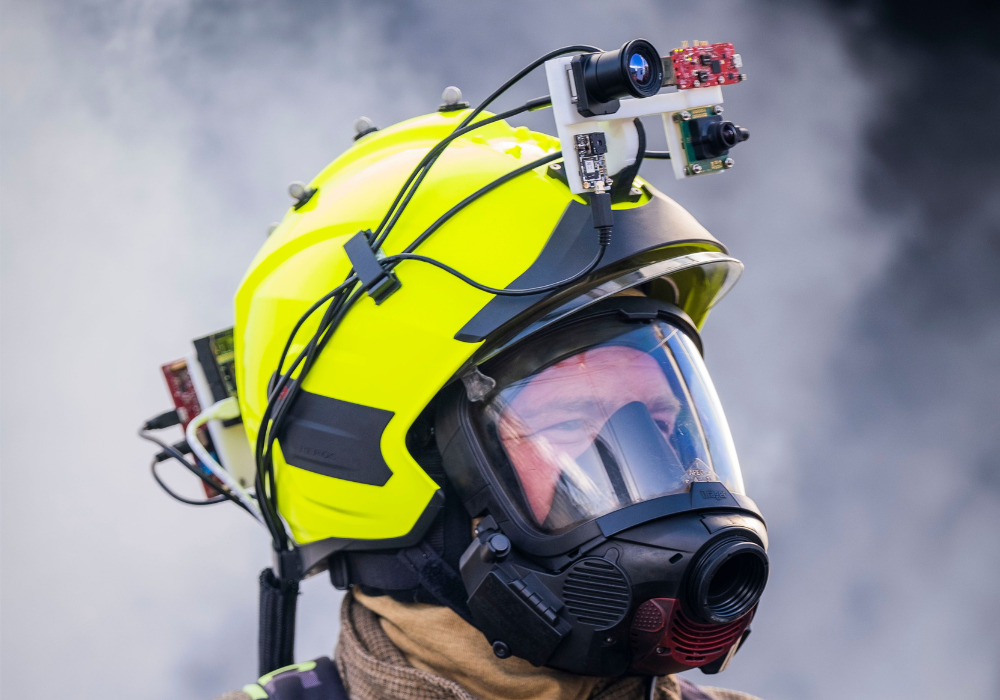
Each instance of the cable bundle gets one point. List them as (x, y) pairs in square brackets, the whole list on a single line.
[(286, 383)]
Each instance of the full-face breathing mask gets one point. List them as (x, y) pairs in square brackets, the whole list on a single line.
[(615, 535)]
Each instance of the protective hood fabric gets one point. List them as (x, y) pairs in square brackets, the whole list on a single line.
[(425, 652), (396, 650), (435, 639)]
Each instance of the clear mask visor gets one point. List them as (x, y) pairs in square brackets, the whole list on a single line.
[(626, 420)]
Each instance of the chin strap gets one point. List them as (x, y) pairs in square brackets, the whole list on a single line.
[(276, 622), (423, 573), (417, 574), (427, 572)]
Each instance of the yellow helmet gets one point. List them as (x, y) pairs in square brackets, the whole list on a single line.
[(343, 472), (469, 386)]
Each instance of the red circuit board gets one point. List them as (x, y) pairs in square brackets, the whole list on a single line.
[(703, 65), (181, 390), (185, 401)]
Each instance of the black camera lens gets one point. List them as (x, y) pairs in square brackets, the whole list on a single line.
[(727, 135), (635, 69), (638, 69), (712, 138)]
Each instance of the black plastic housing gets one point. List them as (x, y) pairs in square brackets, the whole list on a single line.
[(711, 137), (578, 618), (601, 78), (567, 600)]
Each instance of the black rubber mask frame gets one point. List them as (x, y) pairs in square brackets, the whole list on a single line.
[(468, 458)]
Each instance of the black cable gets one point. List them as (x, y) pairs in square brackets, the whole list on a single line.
[(423, 167), (278, 386), (309, 312), (167, 419), (271, 422), (270, 425), (169, 449), (531, 105), (657, 155), (178, 497), (579, 48), (494, 290), (280, 404), (477, 194), (284, 389), (182, 446)]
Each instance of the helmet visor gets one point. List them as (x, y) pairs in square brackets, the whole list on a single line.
[(595, 427)]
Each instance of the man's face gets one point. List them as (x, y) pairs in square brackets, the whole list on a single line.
[(558, 414)]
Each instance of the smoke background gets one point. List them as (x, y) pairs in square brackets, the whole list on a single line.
[(146, 146)]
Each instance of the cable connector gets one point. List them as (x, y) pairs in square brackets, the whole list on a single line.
[(167, 419), (221, 410), (600, 210), (181, 446)]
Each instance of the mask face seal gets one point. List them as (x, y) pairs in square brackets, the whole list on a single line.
[(616, 535)]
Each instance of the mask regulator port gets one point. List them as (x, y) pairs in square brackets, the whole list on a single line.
[(726, 580)]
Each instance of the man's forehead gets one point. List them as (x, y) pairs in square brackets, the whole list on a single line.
[(601, 358), (594, 376)]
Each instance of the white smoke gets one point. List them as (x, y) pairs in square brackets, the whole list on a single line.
[(145, 148)]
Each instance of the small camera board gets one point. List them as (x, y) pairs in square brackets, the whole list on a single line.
[(702, 153), (597, 99), (702, 65), (590, 150)]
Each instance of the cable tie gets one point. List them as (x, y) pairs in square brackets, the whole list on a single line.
[(379, 282)]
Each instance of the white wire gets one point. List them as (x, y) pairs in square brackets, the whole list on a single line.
[(227, 408)]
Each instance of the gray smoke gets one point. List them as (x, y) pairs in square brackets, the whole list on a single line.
[(146, 146)]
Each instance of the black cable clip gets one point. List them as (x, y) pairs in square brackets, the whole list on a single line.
[(381, 283)]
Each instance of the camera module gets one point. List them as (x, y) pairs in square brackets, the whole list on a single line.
[(711, 137), (602, 78)]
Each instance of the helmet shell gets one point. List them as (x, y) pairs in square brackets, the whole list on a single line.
[(396, 356)]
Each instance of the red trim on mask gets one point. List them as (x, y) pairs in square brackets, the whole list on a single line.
[(665, 640)]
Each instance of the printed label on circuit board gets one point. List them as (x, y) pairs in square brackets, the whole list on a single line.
[(590, 150)]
